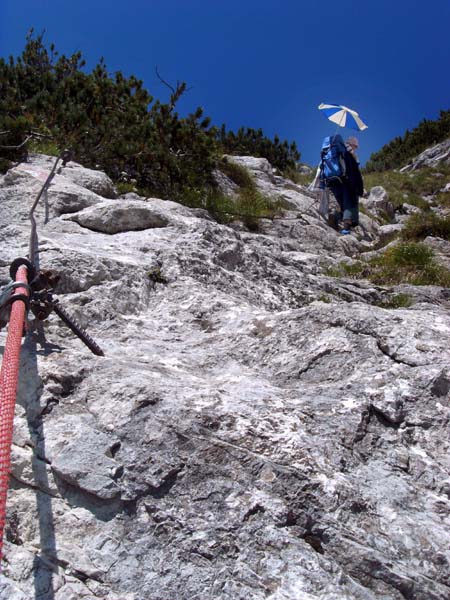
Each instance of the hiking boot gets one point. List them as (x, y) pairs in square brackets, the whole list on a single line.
[(346, 227)]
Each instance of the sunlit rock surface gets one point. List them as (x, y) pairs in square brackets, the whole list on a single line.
[(255, 430), (431, 157)]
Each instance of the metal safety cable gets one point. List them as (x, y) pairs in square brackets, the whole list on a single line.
[(64, 156), (32, 289), (9, 377)]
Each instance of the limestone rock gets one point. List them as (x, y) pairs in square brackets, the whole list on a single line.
[(95, 181), (112, 217), (225, 184), (256, 429), (378, 201), (431, 157), (260, 169), (389, 231), (409, 209)]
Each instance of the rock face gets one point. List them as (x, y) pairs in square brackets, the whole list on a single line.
[(431, 157), (255, 430)]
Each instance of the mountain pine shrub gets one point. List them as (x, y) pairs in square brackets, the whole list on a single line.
[(111, 122), (401, 149)]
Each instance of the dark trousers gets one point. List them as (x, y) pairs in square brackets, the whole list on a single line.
[(347, 201)]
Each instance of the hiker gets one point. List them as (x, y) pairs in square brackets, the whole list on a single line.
[(348, 188)]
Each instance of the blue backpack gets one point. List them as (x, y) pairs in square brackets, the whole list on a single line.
[(332, 164)]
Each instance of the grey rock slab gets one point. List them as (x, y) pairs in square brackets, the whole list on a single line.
[(431, 157), (93, 180), (225, 184), (8, 591), (114, 217), (78, 454), (256, 429), (390, 230)]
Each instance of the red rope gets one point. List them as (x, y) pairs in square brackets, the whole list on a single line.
[(9, 376)]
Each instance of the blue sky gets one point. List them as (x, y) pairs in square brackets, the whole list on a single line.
[(265, 63)]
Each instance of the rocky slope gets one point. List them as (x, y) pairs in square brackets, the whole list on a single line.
[(255, 430), (431, 157)]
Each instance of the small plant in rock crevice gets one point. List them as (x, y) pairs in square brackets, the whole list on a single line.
[(400, 300), (156, 276), (324, 298), (298, 178), (237, 173)]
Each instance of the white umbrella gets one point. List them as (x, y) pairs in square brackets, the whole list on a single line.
[(343, 116)]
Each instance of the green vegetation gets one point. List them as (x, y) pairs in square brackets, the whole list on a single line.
[(253, 206), (407, 262), (410, 187), (247, 141), (401, 149), (249, 205), (298, 178), (421, 225), (397, 301), (156, 275), (324, 298), (111, 122), (237, 173), (355, 270), (442, 199), (125, 187)]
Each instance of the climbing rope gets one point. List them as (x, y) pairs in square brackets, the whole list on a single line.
[(9, 376), (30, 289)]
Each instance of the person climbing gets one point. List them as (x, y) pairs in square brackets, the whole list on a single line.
[(348, 188)]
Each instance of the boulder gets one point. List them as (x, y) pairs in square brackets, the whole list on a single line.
[(389, 231), (115, 217), (259, 168), (378, 202), (93, 180), (410, 209), (305, 169)]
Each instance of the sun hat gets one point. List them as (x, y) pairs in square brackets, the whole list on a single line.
[(352, 141)]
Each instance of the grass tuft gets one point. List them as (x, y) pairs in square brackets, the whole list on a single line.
[(407, 262), (397, 301), (420, 225), (409, 187), (237, 173)]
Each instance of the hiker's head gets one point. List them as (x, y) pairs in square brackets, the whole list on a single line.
[(352, 142)]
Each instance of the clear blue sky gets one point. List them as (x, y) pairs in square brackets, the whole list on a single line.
[(265, 63)]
